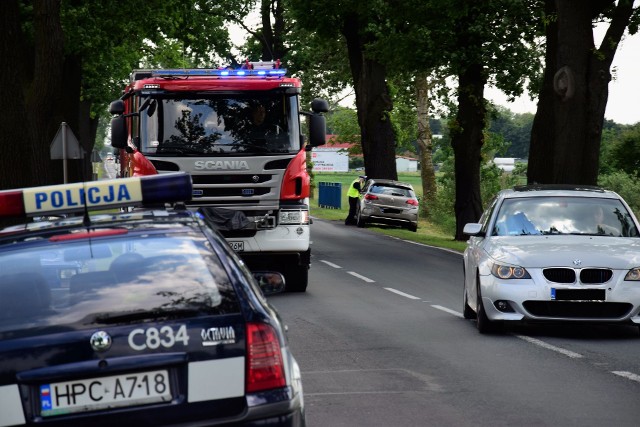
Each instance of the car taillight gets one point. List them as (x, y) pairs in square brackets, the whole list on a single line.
[(412, 202), (370, 197), (264, 358)]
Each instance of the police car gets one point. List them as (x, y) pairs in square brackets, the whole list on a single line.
[(150, 318)]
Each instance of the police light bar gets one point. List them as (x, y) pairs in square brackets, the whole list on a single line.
[(242, 72), (106, 194)]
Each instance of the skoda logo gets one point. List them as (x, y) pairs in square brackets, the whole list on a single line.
[(577, 262), (100, 341)]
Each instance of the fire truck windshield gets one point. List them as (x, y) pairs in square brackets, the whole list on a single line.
[(201, 125)]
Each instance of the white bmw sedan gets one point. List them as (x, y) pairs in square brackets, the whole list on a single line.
[(553, 253)]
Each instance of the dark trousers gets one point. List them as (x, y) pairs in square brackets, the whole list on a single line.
[(353, 206)]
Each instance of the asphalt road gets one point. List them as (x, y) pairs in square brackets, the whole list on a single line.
[(381, 341)]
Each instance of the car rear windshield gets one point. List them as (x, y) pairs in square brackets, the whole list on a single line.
[(564, 215), (110, 279), (391, 190)]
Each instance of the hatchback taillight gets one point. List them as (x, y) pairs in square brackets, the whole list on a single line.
[(264, 358), (370, 197), (412, 202)]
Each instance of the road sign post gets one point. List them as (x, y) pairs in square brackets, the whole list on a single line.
[(65, 146)]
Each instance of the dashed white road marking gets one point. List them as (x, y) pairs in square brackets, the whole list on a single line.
[(359, 276), (548, 346), (395, 291), (330, 264), (447, 310), (628, 375)]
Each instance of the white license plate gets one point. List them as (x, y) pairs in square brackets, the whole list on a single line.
[(237, 246), (105, 392)]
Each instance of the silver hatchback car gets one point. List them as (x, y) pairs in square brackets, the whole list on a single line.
[(387, 201)]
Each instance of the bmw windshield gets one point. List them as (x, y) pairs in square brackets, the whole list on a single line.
[(564, 215), (197, 124)]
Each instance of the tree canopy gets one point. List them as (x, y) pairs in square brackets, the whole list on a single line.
[(64, 60)]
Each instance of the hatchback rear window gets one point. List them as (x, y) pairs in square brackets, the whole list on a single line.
[(102, 280), (391, 190)]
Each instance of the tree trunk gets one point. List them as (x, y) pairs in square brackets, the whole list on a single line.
[(43, 98), (273, 30), (373, 103), (424, 141), (15, 139), (467, 140), (567, 130), (543, 129), (77, 115)]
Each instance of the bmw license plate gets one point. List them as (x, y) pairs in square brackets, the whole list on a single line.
[(105, 392), (237, 246)]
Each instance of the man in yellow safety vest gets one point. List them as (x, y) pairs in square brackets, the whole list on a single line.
[(353, 194)]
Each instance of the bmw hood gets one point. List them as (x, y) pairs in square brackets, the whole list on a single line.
[(558, 251)]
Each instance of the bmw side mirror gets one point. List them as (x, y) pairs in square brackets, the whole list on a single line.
[(472, 229)]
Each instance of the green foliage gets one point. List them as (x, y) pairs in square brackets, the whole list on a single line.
[(164, 33), (514, 128), (356, 162), (404, 114), (626, 185), (492, 178), (622, 150), (343, 124)]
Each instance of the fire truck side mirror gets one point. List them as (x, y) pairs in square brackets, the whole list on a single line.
[(116, 107), (317, 130), (118, 132), (319, 105), (317, 122)]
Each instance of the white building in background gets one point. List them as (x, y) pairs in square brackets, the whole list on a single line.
[(406, 164), (507, 164), (335, 158)]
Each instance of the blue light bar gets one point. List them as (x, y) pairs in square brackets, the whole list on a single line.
[(166, 188), (242, 72), (105, 194)]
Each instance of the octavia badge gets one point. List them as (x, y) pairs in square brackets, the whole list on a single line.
[(100, 341)]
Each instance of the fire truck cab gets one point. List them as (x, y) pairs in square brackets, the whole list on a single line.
[(238, 133)]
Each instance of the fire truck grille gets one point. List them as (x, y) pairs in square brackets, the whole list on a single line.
[(230, 179), (233, 192)]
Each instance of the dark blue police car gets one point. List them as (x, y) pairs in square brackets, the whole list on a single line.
[(157, 323)]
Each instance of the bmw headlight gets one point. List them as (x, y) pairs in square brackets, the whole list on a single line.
[(633, 274), (509, 272), (294, 217)]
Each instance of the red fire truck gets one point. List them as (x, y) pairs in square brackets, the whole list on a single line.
[(238, 133)]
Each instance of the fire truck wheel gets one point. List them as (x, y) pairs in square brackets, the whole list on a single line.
[(297, 278)]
